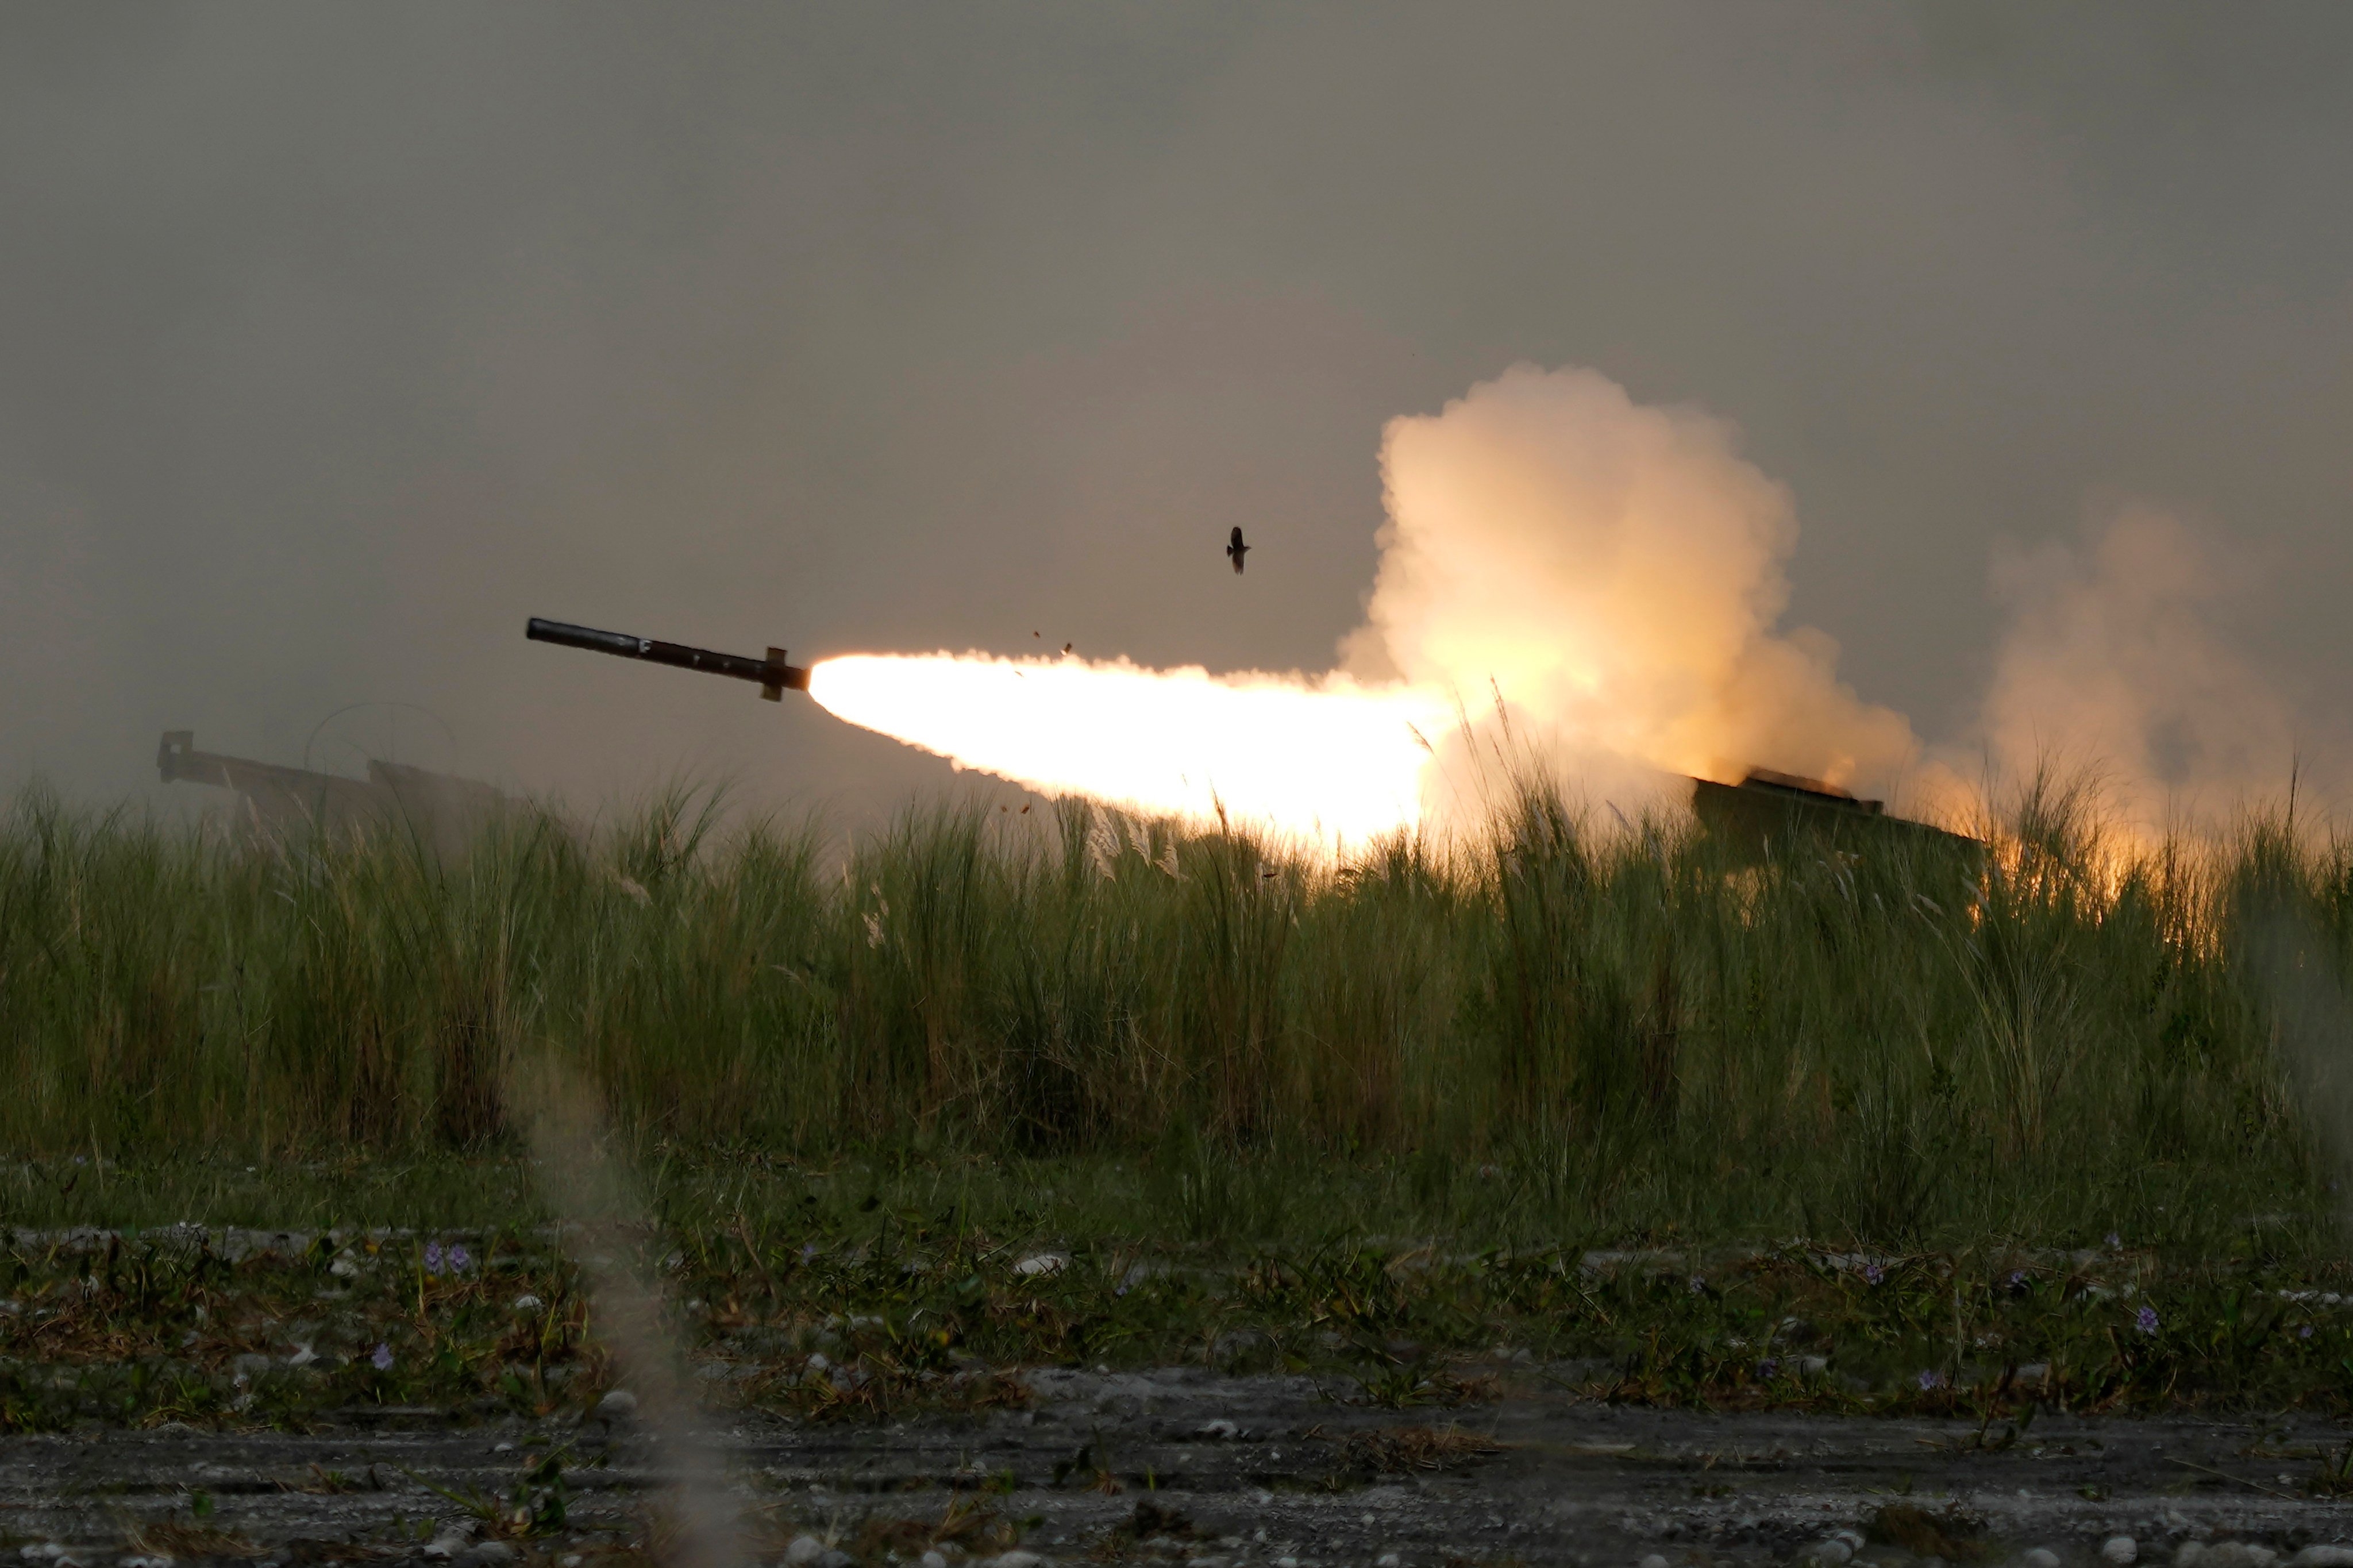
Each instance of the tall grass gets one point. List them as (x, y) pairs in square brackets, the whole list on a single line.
[(1635, 1025)]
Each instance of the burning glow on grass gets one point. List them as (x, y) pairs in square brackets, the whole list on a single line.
[(1322, 758)]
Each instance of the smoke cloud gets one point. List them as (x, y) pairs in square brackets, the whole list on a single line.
[(2115, 660), (1616, 572)]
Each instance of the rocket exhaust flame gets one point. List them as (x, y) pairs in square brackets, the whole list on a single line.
[(1326, 758)]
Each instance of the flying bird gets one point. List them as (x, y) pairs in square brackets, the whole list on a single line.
[(1235, 549)]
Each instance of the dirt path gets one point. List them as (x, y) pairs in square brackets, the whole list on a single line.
[(1258, 1470)]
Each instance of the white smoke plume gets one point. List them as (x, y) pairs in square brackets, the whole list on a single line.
[(1616, 572), (2114, 662)]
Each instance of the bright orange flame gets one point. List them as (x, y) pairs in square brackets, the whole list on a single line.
[(1320, 759)]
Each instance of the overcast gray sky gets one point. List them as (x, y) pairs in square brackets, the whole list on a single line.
[(338, 340)]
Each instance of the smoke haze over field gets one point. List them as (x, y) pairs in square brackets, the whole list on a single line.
[(2112, 662), (340, 340)]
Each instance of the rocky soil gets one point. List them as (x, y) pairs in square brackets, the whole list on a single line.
[(1179, 1465)]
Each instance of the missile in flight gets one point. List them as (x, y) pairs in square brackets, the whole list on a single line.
[(772, 674)]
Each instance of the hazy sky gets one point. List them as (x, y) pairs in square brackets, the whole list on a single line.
[(339, 340)]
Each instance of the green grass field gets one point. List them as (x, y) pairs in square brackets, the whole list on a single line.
[(1866, 1129), (1540, 1035)]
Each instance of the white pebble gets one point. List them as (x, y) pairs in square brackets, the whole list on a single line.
[(2240, 1554), (1019, 1559), (2120, 1549), (528, 1303), (804, 1549), (1652, 1561), (2040, 1557), (1039, 1263), (2323, 1557), (618, 1406), (934, 1560), (1833, 1552)]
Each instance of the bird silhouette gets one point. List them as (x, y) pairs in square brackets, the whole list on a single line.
[(1237, 550)]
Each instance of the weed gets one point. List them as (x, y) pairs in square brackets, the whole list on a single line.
[(178, 1539), (964, 1522), (2334, 1477), (1401, 1451), (1952, 1534)]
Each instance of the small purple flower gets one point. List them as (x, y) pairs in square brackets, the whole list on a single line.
[(1767, 1368), (808, 1251), (2305, 1332), (2146, 1320), (382, 1358), (432, 1258), (1697, 1285), (1122, 1290), (1929, 1380), (1873, 1274), (2017, 1278), (459, 1259), (2115, 1241)]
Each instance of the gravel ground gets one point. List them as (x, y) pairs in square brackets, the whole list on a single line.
[(1179, 1465)]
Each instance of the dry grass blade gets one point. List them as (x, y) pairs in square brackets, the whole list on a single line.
[(184, 1540), (966, 1522), (1399, 1450), (1953, 1534)]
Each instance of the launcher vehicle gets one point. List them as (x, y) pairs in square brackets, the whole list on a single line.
[(278, 799), (1766, 813)]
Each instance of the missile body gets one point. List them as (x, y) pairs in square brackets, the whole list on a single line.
[(772, 674)]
